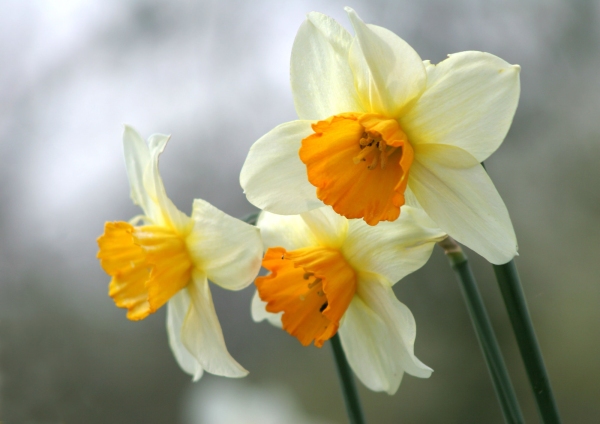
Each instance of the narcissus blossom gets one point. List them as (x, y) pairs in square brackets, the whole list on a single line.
[(168, 257), (380, 128), (328, 273)]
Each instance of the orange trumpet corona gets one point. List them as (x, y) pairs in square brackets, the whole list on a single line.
[(359, 163)]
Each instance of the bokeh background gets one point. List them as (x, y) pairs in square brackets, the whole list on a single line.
[(214, 74)]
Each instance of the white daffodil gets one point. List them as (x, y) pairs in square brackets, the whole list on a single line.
[(329, 273), (379, 128), (166, 256)]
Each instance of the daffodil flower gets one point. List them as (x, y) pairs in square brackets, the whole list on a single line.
[(168, 257), (379, 128), (328, 273)]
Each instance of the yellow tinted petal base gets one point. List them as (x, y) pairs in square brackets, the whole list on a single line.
[(148, 265), (312, 287), (359, 164)]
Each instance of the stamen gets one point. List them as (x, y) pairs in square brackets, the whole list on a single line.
[(307, 275), (314, 283), (383, 159), (320, 293), (363, 153), (373, 164)]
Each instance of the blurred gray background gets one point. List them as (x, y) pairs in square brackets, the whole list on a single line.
[(215, 75)]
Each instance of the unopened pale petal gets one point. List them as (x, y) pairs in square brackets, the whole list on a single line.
[(228, 250), (201, 333), (388, 72), (259, 312), (378, 335), (322, 80), (463, 201), (469, 102), (392, 249), (177, 309), (273, 176)]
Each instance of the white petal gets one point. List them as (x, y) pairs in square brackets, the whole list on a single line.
[(392, 249), (463, 201), (273, 176), (201, 332), (288, 231), (469, 102), (378, 335), (388, 72), (259, 312), (177, 309), (322, 80), (228, 250)]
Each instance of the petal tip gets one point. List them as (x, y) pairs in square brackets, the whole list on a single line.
[(353, 16), (313, 15), (128, 129)]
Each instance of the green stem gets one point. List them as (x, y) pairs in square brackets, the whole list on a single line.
[(485, 333), (514, 299), (355, 414)]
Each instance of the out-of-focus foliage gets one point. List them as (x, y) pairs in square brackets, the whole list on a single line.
[(215, 75)]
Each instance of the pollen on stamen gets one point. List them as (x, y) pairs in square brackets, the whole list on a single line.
[(365, 140)]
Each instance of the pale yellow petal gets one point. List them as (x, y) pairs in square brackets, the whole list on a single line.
[(260, 313), (328, 227), (469, 102), (389, 74), (228, 250), (392, 249), (322, 80), (201, 332), (177, 309), (378, 335), (288, 231), (147, 188), (137, 160), (463, 201), (166, 213), (273, 176)]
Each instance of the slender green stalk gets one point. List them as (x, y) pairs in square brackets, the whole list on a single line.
[(251, 218), (485, 333), (514, 299), (355, 414)]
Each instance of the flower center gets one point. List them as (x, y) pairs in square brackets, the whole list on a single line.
[(148, 265), (312, 287), (359, 164)]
